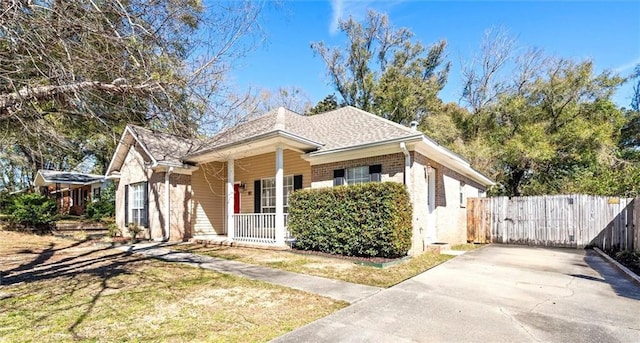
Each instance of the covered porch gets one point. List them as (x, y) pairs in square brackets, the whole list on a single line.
[(249, 188)]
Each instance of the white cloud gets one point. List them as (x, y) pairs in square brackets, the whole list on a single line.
[(337, 7), (627, 66)]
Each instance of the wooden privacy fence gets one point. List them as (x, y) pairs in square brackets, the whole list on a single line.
[(560, 220)]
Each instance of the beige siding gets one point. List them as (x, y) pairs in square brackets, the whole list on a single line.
[(249, 169), (208, 184)]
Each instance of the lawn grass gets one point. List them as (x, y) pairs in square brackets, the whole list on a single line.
[(467, 246), (333, 268), (60, 290)]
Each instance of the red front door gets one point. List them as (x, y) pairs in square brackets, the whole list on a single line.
[(236, 198)]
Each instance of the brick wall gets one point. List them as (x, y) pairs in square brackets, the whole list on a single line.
[(392, 169)]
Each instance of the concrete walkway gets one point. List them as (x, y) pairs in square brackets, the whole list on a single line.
[(335, 289), (495, 294)]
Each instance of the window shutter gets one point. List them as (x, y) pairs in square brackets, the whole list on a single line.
[(126, 205), (338, 177), (145, 194), (374, 173), (297, 182), (257, 193)]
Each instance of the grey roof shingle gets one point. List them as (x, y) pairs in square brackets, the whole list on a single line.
[(340, 128), (349, 126), (344, 127), (165, 147), (289, 121)]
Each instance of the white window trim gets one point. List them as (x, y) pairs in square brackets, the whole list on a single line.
[(286, 193), (136, 204), (350, 179)]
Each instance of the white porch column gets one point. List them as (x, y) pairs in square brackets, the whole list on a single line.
[(230, 202), (279, 197)]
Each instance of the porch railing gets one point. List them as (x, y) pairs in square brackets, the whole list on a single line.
[(257, 227)]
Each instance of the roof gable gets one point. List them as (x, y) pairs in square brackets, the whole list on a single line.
[(344, 127), (161, 148)]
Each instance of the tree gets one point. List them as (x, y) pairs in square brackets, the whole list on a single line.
[(547, 125), (382, 71), (329, 103), (635, 97), (292, 98), (74, 72)]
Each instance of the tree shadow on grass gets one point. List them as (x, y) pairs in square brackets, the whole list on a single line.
[(76, 271)]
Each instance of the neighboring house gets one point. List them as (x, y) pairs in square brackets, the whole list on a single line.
[(236, 185), (72, 191)]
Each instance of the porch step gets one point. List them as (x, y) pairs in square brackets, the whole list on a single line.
[(438, 247), (80, 226), (452, 252), (209, 237)]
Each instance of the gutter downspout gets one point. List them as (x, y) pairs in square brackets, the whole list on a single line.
[(167, 205), (407, 162)]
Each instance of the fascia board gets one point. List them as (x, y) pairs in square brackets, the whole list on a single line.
[(270, 138), (408, 139)]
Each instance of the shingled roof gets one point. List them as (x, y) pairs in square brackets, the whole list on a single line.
[(349, 126), (344, 127), (48, 177), (164, 147), (279, 119)]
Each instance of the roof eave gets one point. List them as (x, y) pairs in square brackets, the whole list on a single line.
[(406, 139), (463, 164), (263, 136)]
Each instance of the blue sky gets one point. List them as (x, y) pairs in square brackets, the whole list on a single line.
[(606, 32)]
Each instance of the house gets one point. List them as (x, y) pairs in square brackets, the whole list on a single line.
[(71, 190), (235, 186)]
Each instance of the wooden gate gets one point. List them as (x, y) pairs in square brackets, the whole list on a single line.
[(560, 220)]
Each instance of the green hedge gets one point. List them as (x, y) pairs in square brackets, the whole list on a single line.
[(33, 211), (370, 220), (104, 206)]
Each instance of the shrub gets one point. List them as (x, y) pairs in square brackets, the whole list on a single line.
[(104, 206), (33, 210), (113, 230), (6, 202), (370, 220), (134, 231)]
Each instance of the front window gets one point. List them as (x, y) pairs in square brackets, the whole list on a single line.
[(357, 175), (268, 197), (137, 203)]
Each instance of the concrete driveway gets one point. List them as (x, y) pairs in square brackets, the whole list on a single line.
[(495, 294)]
